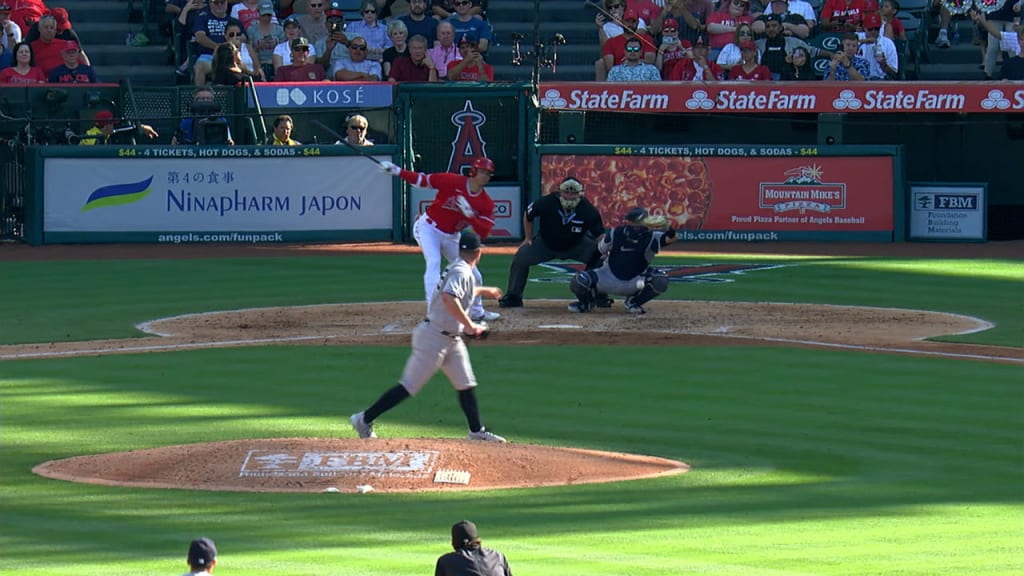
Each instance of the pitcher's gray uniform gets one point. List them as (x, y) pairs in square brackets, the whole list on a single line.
[(437, 345)]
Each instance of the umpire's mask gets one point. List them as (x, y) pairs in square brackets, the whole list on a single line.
[(570, 191)]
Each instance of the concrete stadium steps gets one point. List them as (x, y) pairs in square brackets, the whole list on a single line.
[(573, 19)]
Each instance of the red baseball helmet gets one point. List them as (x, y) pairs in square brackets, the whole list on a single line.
[(482, 163)]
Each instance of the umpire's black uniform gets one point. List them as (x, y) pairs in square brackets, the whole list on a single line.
[(559, 236)]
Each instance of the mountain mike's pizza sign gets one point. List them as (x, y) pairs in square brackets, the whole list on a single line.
[(809, 97)]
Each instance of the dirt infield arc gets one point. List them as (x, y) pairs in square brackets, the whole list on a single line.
[(403, 465)]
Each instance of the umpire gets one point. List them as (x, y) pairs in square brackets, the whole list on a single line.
[(570, 228)]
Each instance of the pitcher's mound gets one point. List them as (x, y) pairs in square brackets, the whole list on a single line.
[(386, 465)]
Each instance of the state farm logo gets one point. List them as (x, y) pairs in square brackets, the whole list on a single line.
[(995, 101), (847, 101), (298, 463), (611, 98), (700, 101), (553, 99), (802, 190), (750, 99)]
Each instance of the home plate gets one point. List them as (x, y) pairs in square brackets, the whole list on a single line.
[(560, 326)]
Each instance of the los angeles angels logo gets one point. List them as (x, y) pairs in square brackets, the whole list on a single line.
[(468, 144)]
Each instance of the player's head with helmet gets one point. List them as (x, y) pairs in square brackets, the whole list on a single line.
[(482, 169), (570, 192), (636, 215)]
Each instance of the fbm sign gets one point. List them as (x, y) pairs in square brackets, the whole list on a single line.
[(947, 211)]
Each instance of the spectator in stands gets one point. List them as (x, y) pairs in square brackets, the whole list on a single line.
[(724, 23), (103, 130), (633, 68), (471, 68), (892, 27), (301, 69), (608, 28), (356, 127), (264, 34), (392, 8), (465, 22), (731, 55), (282, 135), (749, 67), (445, 9), (842, 15), (358, 67), (204, 108), (226, 69), (879, 51), (25, 13), (398, 34), (6, 57), (846, 64), (417, 21), (698, 67), (182, 14), (64, 29), (314, 21), (793, 24), (671, 49), (690, 15), (72, 71), (1013, 68), (798, 66), (1001, 20), (248, 11), (445, 52), (647, 11), (250, 58), (416, 66), (283, 51), (208, 33), (614, 50), (10, 33), (48, 48), (374, 33), (776, 48), (334, 47), (24, 69)]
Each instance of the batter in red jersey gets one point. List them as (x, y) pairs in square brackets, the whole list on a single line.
[(461, 202)]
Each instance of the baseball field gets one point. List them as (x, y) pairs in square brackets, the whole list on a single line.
[(818, 442)]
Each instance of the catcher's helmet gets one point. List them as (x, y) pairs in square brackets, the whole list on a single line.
[(482, 163), (636, 215)]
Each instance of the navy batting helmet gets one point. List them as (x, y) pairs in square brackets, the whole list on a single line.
[(482, 163), (636, 215)]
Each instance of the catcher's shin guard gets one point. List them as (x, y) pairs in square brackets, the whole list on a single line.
[(584, 285), (655, 283)]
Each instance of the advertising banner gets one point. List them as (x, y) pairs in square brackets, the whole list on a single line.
[(508, 208), (738, 193), (151, 198), (293, 95), (793, 97), (947, 211)]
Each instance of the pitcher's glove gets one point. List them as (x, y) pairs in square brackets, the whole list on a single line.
[(657, 222), (482, 334)]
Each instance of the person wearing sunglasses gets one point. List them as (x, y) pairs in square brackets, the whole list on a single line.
[(314, 21), (208, 33), (445, 9), (303, 68), (722, 24), (614, 50), (250, 58), (358, 68), (633, 68), (374, 33), (356, 127), (465, 22)]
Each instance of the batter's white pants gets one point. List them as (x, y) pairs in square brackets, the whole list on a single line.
[(434, 243)]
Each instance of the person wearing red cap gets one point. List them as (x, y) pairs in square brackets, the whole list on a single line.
[(101, 131), (879, 51), (698, 67), (48, 48), (750, 67), (72, 71), (471, 68), (672, 48)]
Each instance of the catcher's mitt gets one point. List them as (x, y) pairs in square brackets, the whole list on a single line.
[(657, 222)]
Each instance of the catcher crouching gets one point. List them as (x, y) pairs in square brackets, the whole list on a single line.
[(628, 251)]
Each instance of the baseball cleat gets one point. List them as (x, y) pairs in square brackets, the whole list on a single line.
[(364, 429), (486, 436), (603, 302), (486, 317), (580, 307), (633, 307), (510, 302)]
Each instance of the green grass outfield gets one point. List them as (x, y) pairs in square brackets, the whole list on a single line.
[(804, 461)]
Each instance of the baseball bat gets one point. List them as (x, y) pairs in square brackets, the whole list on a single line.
[(342, 139)]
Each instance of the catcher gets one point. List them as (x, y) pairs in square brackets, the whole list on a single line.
[(628, 251)]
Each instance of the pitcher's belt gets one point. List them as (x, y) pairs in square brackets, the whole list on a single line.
[(443, 332)]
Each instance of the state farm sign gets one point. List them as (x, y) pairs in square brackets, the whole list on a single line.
[(810, 97)]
